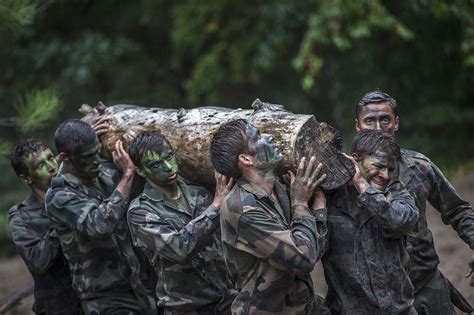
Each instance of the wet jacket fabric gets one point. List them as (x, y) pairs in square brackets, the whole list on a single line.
[(90, 221), (427, 183), (33, 236), (183, 244), (365, 264), (270, 249)]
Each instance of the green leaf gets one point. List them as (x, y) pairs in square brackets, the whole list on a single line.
[(36, 108)]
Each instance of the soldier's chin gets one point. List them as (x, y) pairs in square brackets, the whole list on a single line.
[(378, 186)]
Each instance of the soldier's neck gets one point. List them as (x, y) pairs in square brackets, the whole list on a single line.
[(171, 192), (38, 192), (265, 180)]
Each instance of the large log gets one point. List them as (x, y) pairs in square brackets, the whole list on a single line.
[(190, 132)]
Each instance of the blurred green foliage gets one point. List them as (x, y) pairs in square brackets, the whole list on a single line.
[(316, 57)]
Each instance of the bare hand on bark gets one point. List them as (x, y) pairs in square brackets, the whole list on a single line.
[(303, 184), (101, 125)]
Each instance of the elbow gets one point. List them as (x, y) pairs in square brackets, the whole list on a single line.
[(305, 266), (38, 267), (403, 228), (298, 264)]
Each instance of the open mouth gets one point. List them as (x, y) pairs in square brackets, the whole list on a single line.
[(173, 176)]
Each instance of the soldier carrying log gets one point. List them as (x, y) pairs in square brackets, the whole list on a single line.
[(176, 223)]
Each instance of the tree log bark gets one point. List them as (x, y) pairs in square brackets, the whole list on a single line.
[(190, 132)]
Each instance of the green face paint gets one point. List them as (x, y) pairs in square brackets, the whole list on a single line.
[(42, 166), (86, 160), (160, 168), (377, 169), (262, 147)]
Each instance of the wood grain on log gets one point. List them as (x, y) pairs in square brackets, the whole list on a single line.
[(190, 132)]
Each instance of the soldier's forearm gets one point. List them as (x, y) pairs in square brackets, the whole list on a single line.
[(125, 184)]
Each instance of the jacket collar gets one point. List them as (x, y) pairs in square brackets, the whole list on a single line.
[(33, 202), (284, 207), (190, 193), (75, 181)]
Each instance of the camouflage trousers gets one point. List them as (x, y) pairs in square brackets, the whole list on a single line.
[(118, 303), (438, 296)]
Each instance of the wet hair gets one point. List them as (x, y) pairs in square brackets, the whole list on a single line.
[(145, 142), (376, 97), (71, 134), (227, 144), (368, 142), (21, 150)]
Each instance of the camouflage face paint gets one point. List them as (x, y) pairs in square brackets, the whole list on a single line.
[(377, 117), (261, 146), (377, 169), (86, 160), (42, 166), (160, 168)]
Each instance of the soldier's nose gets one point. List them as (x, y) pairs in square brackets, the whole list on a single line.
[(377, 126)]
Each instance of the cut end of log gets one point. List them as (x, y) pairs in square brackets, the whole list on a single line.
[(324, 142)]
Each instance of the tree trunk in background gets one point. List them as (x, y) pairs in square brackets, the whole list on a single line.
[(190, 132)]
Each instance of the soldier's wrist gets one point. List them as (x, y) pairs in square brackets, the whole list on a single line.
[(300, 210)]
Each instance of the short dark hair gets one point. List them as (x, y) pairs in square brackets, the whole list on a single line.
[(376, 97), (228, 143), (146, 141), (21, 150), (71, 134), (368, 142)]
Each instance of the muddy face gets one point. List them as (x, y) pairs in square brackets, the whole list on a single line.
[(86, 160), (377, 169), (261, 146), (160, 168), (42, 166), (377, 117)]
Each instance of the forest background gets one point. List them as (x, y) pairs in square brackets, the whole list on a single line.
[(314, 57)]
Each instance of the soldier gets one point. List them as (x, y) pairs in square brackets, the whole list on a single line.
[(176, 223), (271, 241), (87, 202), (434, 294), (368, 219), (32, 232)]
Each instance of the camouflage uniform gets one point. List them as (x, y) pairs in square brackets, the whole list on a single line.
[(39, 247), (366, 260), (270, 250), (95, 239), (185, 249), (426, 182)]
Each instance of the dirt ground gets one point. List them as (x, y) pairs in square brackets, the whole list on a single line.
[(454, 255)]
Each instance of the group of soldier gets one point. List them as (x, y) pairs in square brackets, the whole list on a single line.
[(134, 237)]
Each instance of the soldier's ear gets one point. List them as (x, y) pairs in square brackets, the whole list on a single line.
[(25, 179), (358, 128), (62, 156), (140, 172), (397, 123), (246, 159), (355, 156)]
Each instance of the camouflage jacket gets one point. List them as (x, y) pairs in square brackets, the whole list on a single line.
[(184, 247), (426, 183), (270, 250), (92, 229), (39, 247), (366, 260)]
